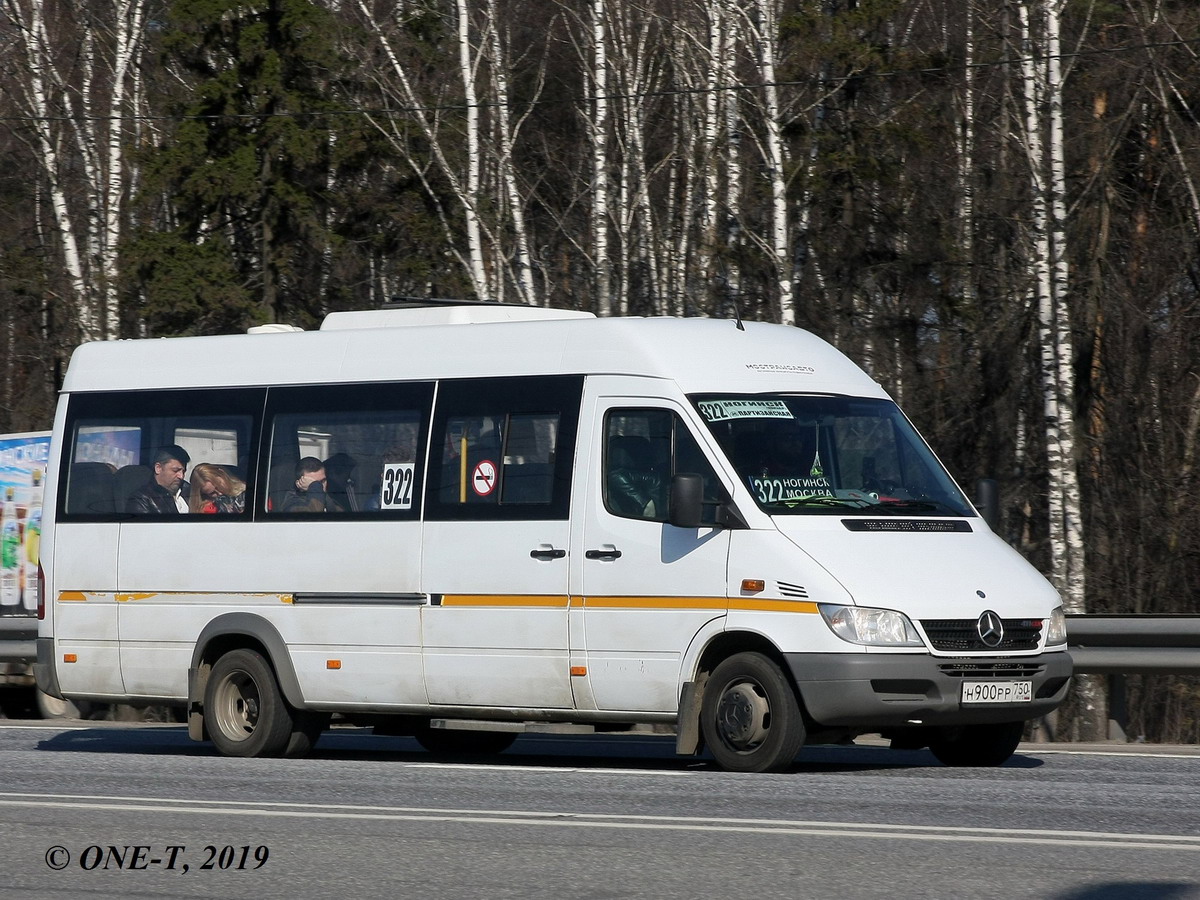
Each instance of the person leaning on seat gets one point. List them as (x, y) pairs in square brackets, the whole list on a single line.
[(215, 490), (166, 492), (309, 493)]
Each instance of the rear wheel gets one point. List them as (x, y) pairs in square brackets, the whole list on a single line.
[(19, 702), (244, 709), (750, 715), (977, 745), (453, 742), (57, 708)]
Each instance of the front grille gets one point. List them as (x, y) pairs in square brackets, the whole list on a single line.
[(963, 634), (990, 670)]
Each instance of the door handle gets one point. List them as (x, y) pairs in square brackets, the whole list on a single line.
[(604, 555), (547, 553)]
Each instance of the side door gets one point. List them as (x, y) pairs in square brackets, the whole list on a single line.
[(642, 588), (494, 555), (348, 556)]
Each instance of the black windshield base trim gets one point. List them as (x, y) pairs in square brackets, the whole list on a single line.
[(888, 526)]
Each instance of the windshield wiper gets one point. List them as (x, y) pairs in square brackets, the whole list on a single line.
[(917, 506), (820, 500)]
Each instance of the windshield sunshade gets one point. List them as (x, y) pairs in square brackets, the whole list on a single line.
[(820, 455)]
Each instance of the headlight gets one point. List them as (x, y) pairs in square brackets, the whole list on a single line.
[(1056, 627), (862, 625)]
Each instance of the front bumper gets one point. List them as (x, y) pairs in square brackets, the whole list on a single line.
[(872, 691)]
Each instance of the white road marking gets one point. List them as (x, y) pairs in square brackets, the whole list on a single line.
[(566, 819)]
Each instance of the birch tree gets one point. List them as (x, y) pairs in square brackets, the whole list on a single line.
[(597, 131), (81, 122), (1042, 81), (763, 28)]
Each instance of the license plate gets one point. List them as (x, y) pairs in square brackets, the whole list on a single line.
[(997, 691)]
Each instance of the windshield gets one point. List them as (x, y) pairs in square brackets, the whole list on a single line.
[(811, 455)]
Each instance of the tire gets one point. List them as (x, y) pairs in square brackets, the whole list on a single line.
[(19, 702), (452, 742), (54, 708), (750, 716), (307, 729), (977, 745), (244, 710)]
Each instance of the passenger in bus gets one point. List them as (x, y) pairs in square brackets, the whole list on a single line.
[(215, 490), (166, 492), (635, 487), (309, 494), (340, 487)]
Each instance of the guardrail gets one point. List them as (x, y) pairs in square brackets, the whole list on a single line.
[(1117, 646), (1134, 645)]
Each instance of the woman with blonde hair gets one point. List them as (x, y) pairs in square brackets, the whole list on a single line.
[(215, 490)]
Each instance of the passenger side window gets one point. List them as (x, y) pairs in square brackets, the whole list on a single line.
[(504, 448), (347, 450), (116, 439), (643, 450)]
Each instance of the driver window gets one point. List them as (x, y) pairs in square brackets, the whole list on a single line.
[(643, 450)]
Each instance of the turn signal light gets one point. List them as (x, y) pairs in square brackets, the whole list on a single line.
[(333, 663), (753, 585)]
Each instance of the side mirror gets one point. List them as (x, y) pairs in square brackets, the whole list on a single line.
[(987, 501), (685, 505)]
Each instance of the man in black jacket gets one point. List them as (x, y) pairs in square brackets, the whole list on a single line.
[(166, 492), (309, 492)]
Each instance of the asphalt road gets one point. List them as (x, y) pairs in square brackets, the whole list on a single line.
[(103, 809)]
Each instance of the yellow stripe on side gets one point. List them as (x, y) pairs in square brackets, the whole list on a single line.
[(721, 603), (655, 602), (504, 600), (125, 598), (788, 606), (82, 596)]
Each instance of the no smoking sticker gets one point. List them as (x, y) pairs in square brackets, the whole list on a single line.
[(483, 479)]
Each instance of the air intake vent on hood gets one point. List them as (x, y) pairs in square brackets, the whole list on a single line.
[(892, 526)]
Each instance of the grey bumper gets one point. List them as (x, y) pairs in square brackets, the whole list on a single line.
[(871, 691), (18, 639)]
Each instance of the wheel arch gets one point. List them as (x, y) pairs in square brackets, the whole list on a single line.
[(720, 647), (235, 631)]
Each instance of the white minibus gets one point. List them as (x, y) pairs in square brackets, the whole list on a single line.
[(467, 522)]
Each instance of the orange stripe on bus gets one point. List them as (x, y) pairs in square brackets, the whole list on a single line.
[(504, 600), (719, 604)]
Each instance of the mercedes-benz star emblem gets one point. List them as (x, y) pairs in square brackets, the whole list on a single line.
[(990, 628)]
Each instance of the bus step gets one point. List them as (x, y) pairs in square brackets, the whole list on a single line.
[(518, 727)]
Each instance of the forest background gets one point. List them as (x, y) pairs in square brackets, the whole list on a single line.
[(991, 205)]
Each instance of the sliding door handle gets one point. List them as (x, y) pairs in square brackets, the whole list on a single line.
[(606, 555)]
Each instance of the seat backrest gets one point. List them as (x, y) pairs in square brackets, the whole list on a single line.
[(90, 489), (127, 480), (280, 480)]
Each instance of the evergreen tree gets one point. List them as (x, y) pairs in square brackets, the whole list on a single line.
[(242, 178)]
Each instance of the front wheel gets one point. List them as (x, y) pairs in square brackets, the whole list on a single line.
[(244, 709), (977, 745), (750, 715)]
